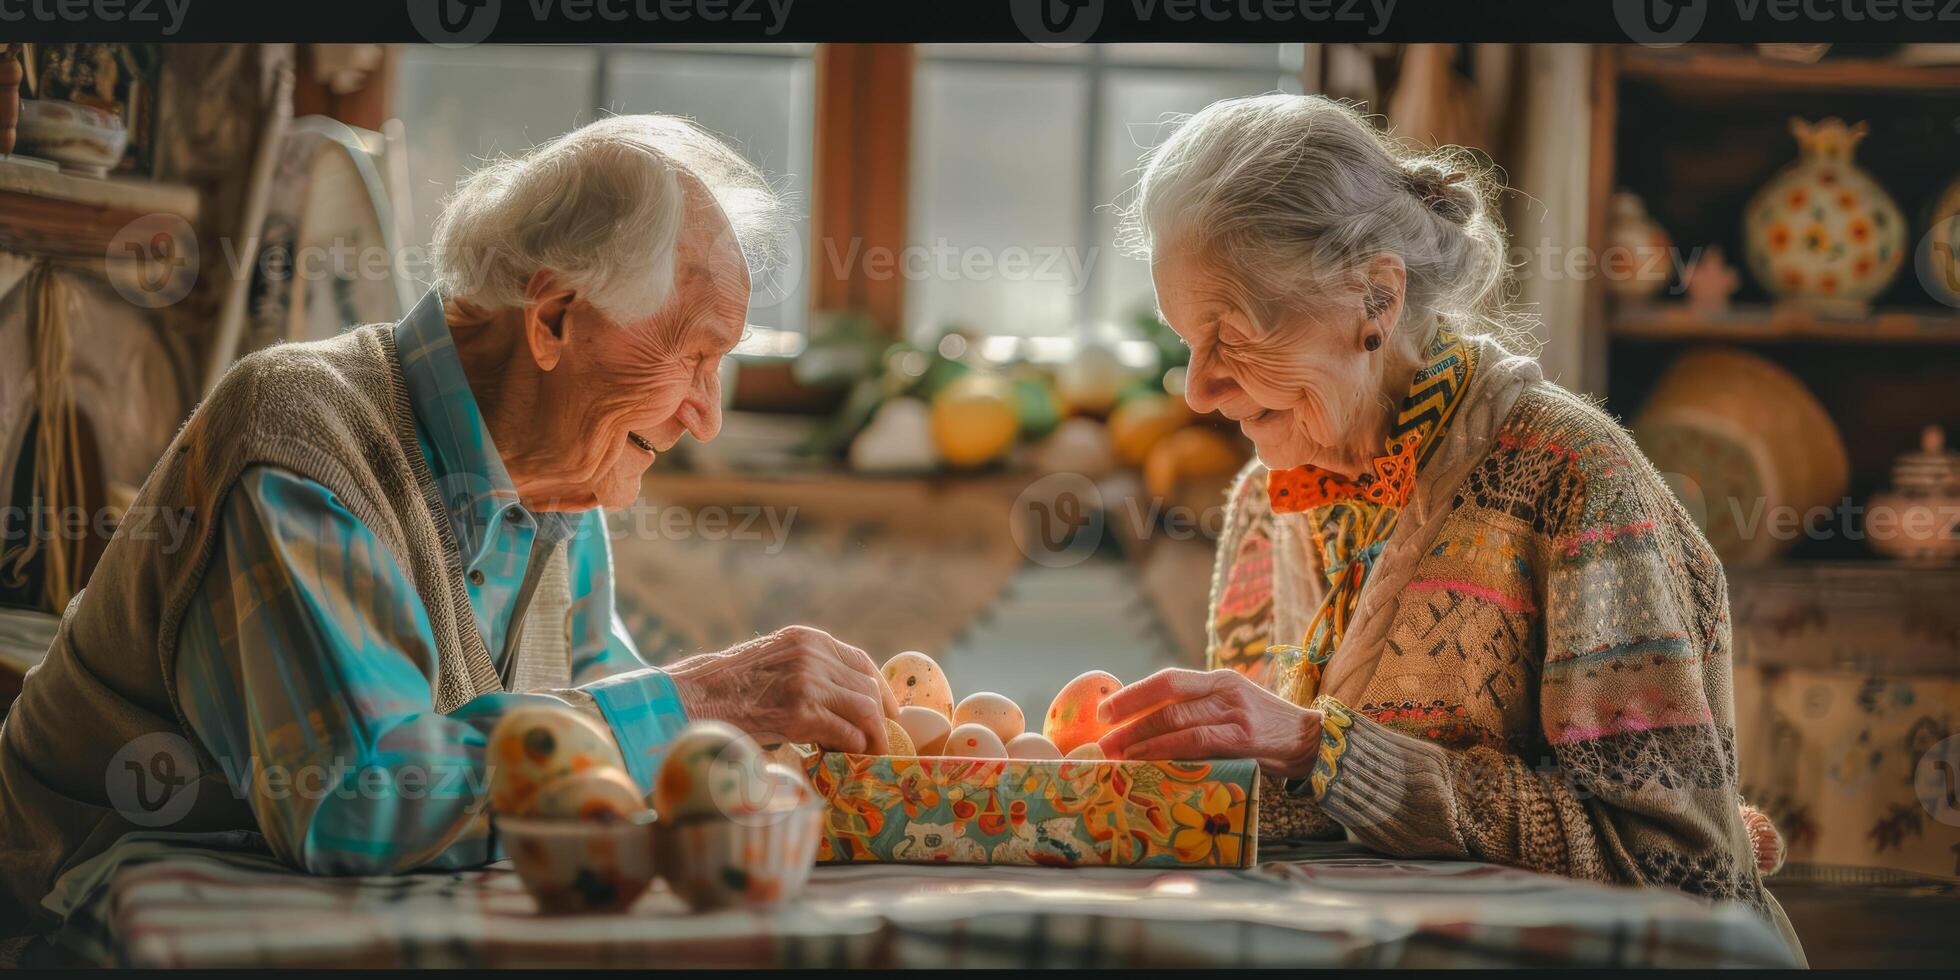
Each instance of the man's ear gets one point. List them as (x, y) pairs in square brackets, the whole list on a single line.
[(546, 327)]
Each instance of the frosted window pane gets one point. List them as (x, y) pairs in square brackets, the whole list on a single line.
[(998, 162), (1138, 102), (459, 107), (764, 107)]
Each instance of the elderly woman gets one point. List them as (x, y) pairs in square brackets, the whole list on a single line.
[(397, 541), (1455, 613)]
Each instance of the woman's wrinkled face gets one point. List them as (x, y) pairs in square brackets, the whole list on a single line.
[(623, 393), (1300, 389)]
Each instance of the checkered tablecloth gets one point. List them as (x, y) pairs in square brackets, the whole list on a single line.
[(222, 904)]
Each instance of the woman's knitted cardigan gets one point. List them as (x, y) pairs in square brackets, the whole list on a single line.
[(1546, 683)]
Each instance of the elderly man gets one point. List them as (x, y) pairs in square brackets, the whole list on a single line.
[(397, 540)]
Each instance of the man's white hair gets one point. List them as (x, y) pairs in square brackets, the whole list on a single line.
[(602, 206)]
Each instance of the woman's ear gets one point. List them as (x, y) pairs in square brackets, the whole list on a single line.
[(1383, 283), (546, 327)]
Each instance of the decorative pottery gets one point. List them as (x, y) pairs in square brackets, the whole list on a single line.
[(1939, 263), (1710, 281), (1918, 519), (1745, 446), (82, 138), (575, 866), (1822, 234), (1636, 262)]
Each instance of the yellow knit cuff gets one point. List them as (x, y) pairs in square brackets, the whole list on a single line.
[(1335, 720)]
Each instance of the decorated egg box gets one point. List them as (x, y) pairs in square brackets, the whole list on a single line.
[(966, 784)]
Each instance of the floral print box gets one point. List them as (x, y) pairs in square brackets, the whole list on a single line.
[(1035, 811)]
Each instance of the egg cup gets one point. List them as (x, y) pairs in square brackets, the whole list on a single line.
[(718, 861), (581, 867)]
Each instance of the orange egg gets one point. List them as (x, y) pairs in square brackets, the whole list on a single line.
[(915, 679), (996, 711), (605, 795), (533, 745), (1071, 718), (927, 727), (1032, 745), (975, 742)]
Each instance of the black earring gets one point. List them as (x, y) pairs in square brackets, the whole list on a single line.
[(1373, 342)]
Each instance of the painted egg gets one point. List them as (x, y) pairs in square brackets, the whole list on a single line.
[(1087, 750), (915, 679), (538, 744), (927, 727), (1071, 718), (710, 768), (975, 742), (996, 711), (598, 796), (1032, 745), (899, 739)]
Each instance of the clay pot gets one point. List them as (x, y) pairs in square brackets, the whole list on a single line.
[(1939, 263), (1918, 520), (1636, 264), (1822, 233)]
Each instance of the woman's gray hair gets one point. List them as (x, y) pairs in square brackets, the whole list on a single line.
[(1289, 197), (602, 206)]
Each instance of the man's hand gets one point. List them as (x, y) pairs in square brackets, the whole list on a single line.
[(798, 684), (1215, 714)]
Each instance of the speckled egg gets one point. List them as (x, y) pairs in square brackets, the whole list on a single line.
[(915, 679), (538, 744), (996, 711), (974, 741), (1032, 745), (1071, 718), (927, 727), (710, 768), (598, 796), (898, 739), (1087, 750)]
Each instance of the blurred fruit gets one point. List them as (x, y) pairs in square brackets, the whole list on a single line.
[(1091, 380), (1077, 446), (973, 420), (1140, 422), (1038, 405), (1187, 454), (899, 439)]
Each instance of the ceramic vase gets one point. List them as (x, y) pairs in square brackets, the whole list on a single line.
[(1918, 519), (1636, 262), (1822, 234)]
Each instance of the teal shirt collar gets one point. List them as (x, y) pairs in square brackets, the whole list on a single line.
[(475, 486)]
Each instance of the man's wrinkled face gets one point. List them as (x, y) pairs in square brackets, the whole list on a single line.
[(623, 393)]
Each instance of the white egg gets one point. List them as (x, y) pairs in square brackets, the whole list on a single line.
[(996, 711), (599, 796), (1032, 745), (927, 727), (975, 742), (1087, 750)]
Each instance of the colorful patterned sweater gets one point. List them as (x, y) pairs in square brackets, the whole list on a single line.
[(1552, 689)]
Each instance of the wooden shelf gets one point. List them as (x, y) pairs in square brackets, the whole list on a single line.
[(1775, 324), (47, 212), (1701, 73)]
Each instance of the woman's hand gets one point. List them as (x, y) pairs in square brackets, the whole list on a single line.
[(1216, 714), (797, 684)]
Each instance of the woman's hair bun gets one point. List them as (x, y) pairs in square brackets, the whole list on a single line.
[(1446, 192)]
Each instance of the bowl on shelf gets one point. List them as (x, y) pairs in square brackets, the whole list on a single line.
[(79, 137), (581, 866)]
